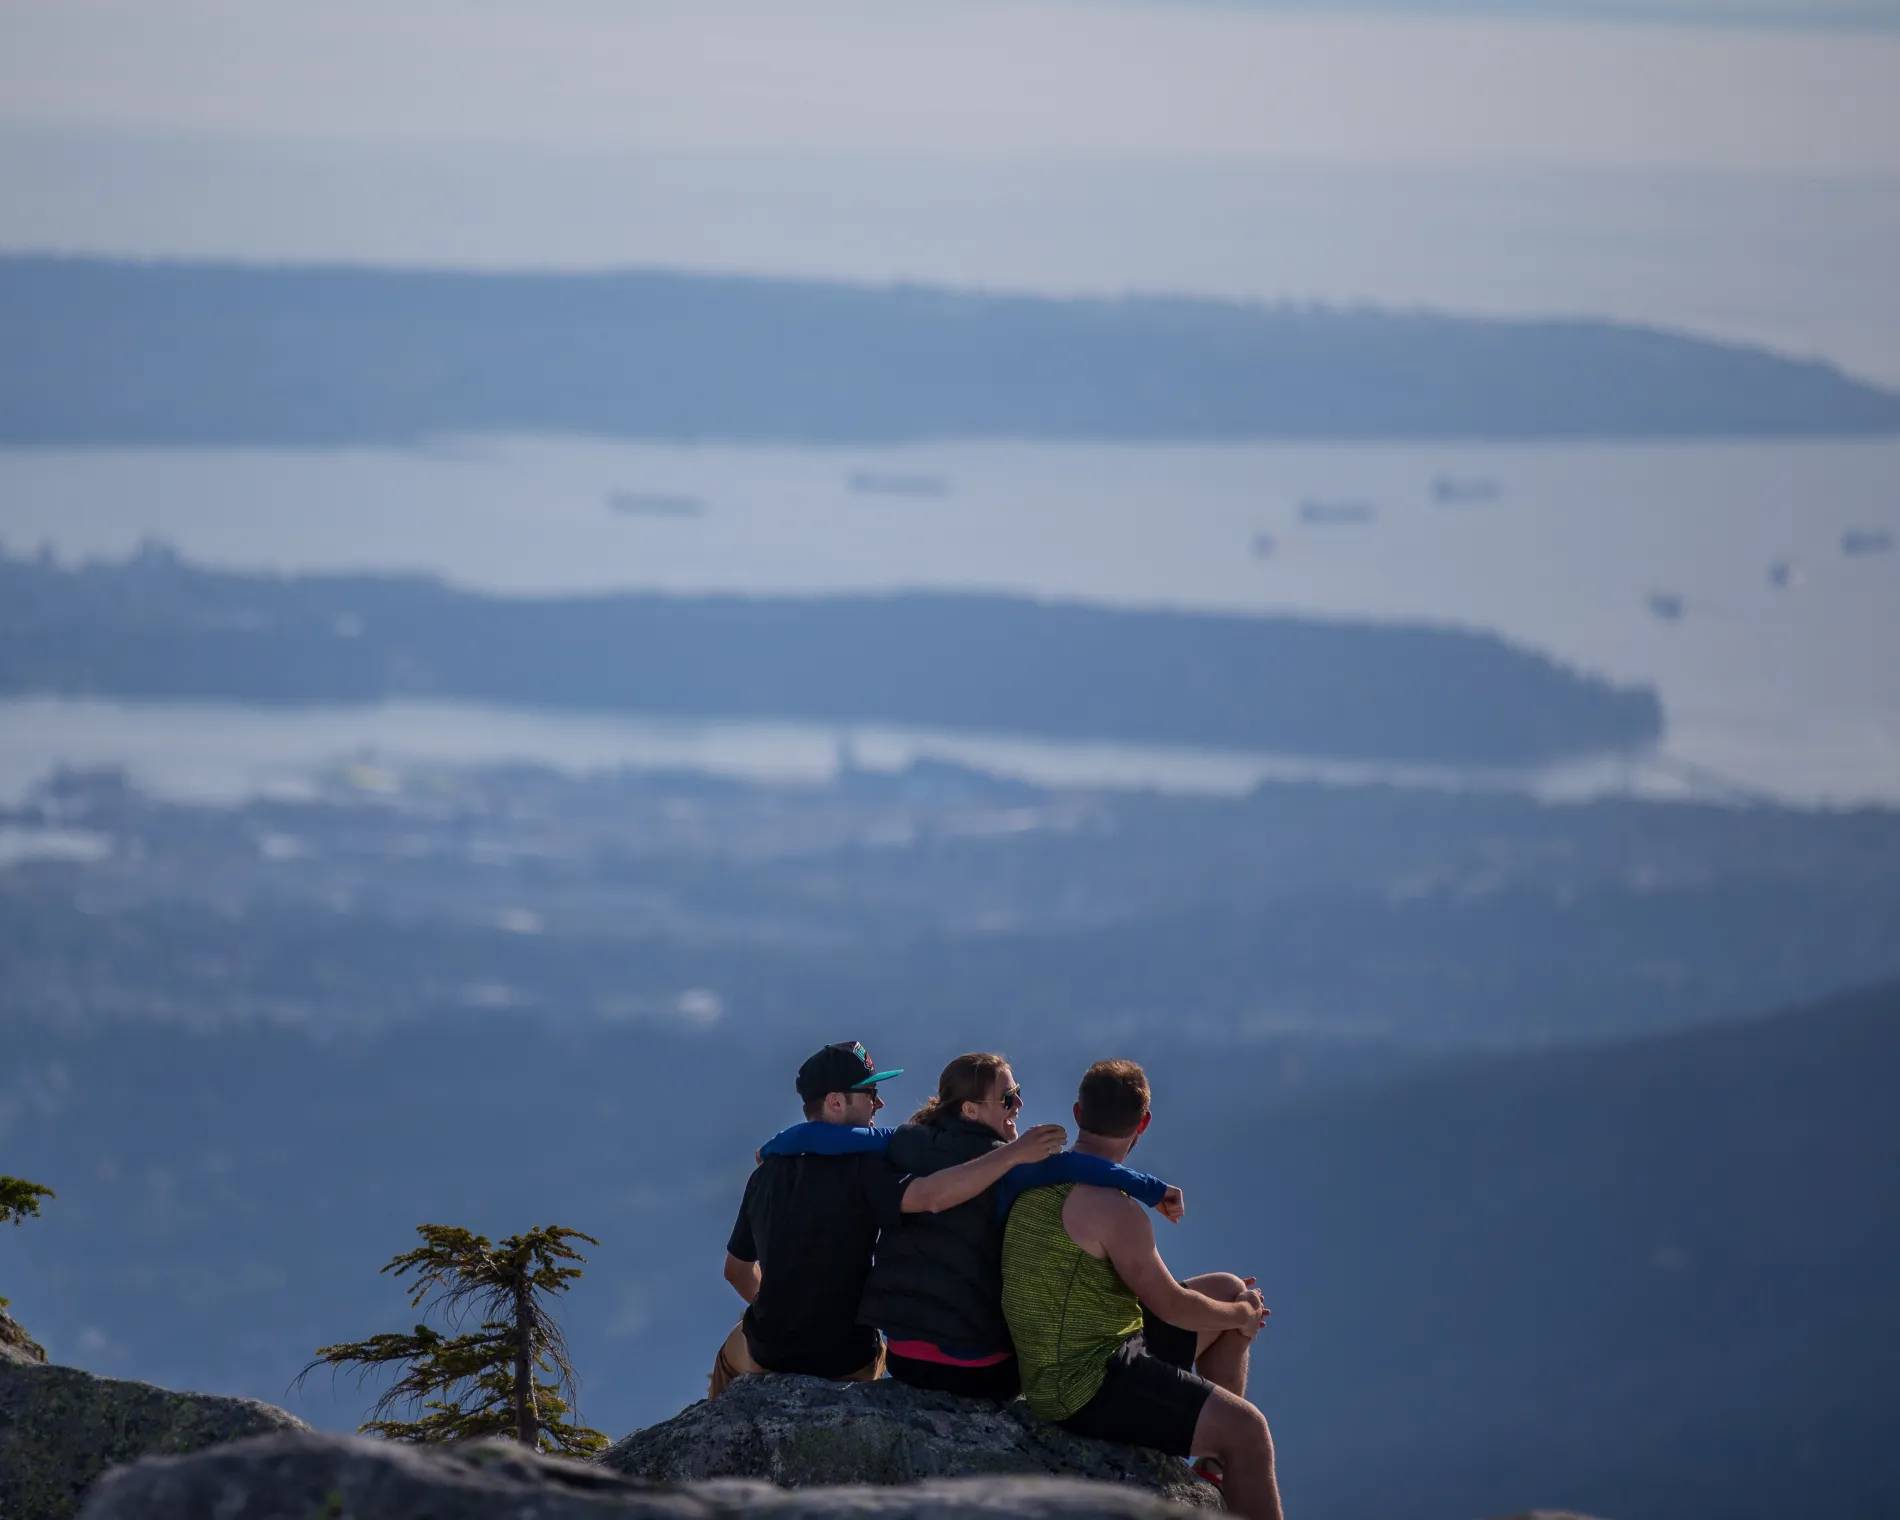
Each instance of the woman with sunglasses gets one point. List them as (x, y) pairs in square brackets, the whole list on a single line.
[(936, 1290)]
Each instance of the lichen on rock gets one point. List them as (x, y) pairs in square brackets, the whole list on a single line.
[(804, 1432), (60, 1428)]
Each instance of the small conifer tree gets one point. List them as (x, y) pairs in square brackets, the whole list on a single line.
[(483, 1382)]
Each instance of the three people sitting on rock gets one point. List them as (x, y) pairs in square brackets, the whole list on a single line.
[(802, 1246), (1005, 1263)]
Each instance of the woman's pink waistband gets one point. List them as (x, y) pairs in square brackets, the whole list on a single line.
[(926, 1351)]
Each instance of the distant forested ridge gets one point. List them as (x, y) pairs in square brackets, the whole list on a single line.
[(1657, 1277), (107, 352), (154, 626)]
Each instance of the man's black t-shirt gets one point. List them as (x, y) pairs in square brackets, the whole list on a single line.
[(811, 1223)]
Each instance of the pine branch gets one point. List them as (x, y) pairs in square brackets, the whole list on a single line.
[(20, 1198)]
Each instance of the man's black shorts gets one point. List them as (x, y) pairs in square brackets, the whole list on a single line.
[(1151, 1395)]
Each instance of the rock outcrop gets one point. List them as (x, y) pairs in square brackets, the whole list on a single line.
[(16, 1346), (311, 1476), (60, 1428), (805, 1432)]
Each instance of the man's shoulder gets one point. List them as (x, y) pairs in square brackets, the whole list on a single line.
[(1100, 1195), (782, 1188), (845, 1166), (1105, 1207), (811, 1164)]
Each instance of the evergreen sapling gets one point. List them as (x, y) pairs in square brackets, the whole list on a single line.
[(511, 1377)]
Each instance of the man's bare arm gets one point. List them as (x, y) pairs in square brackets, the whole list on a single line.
[(1125, 1234), (744, 1276), (959, 1184)]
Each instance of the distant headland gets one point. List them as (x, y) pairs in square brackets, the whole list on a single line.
[(102, 352), (154, 626)]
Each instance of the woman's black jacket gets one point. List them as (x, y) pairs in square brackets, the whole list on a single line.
[(939, 1277)]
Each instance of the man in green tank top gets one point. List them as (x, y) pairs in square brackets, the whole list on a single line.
[(1109, 1343)]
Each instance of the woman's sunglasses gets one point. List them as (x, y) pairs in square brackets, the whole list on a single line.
[(1012, 1098)]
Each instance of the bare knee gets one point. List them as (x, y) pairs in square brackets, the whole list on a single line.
[(1232, 1429), (1219, 1285), (1254, 1437)]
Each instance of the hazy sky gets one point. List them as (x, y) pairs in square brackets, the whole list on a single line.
[(982, 78), (1738, 178), (1793, 13)]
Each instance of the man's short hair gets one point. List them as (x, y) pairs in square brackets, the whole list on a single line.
[(1114, 1097)]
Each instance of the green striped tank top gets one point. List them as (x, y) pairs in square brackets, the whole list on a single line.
[(1067, 1310)]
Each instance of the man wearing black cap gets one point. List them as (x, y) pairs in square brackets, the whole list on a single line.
[(802, 1245)]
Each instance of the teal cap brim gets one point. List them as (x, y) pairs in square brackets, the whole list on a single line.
[(877, 1077)]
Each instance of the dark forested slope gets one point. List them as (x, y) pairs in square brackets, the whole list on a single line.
[(101, 352), (1647, 1280)]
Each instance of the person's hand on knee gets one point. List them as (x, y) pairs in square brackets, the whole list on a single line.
[(1250, 1296)]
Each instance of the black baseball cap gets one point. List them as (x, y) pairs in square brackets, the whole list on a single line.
[(844, 1067)]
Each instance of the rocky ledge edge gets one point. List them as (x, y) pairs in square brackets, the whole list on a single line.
[(60, 1428), (787, 1447), (314, 1476), (800, 1432)]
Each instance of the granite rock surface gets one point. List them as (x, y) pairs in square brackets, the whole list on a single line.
[(802, 1432), (16, 1346), (317, 1476), (60, 1428)]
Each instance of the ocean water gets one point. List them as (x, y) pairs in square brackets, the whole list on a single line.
[(1719, 573)]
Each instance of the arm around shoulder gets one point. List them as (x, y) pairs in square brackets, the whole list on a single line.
[(959, 1184), (1098, 1171)]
